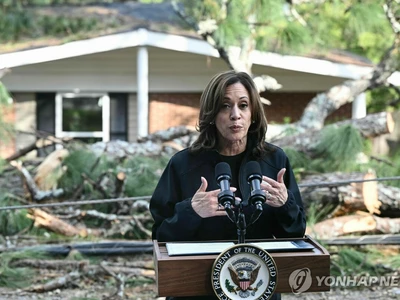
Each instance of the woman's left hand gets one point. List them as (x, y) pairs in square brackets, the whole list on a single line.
[(276, 192)]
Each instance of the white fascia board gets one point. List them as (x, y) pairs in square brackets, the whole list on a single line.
[(180, 43), (72, 49), (140, 37), (310, 65)]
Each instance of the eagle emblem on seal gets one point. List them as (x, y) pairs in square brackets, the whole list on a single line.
[(244, 274)]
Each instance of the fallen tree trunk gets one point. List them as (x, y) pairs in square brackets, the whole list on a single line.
[(56, 283), (370, 126), (338, 199), (373, 239), (55, 264), (50, 170), (342, 199), (52, 223), (389, 196), (125, 270), (354, 224), (62, 264)]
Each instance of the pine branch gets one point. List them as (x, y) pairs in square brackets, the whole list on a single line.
[(236, 61), (387, 7)]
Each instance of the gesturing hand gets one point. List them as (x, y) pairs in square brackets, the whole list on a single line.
[(276, 190), (205, 204)]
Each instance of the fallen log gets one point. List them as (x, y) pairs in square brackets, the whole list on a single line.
[(55, 264), (389, 196), (50, 170), (341, 199), (63, 264), (131, 272), (373, 239), (52, 223), (55, 284), (370, 126), (97, 248), (354, 224)]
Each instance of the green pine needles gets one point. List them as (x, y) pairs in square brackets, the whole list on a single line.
[(338, 148), (15, 277)]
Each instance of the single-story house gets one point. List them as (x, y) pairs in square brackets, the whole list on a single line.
[(125, 85)]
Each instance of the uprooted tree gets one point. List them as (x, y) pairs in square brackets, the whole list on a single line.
[(298, 27)]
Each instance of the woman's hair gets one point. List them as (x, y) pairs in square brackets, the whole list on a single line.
[(210, 103)]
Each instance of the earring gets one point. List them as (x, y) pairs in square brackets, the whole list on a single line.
[(253, 122), (211, 123)]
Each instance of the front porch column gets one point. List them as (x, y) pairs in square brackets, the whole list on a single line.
[(359, 107), (142, 91)]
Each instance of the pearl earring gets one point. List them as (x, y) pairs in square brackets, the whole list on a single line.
[(211, 123)]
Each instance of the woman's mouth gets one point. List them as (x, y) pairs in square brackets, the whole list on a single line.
[(235, 128)]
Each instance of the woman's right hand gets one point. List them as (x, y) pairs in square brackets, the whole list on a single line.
[(205, 204)]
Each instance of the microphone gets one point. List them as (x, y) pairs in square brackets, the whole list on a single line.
[(225, 197), (257, 196)]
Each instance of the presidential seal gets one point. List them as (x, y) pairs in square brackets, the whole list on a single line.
[(244, 271)]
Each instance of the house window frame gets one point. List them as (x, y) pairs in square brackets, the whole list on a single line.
[(104, 134)]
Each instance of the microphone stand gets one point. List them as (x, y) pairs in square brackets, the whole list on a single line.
[(241, 219), (241, 225)]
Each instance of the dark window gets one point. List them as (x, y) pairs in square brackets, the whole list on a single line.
[(45, 112), (45, 118), (118, 116), (81, 114)]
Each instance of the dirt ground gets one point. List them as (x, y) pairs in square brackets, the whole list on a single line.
[(148, 293)]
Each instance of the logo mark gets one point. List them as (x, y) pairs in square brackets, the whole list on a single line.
[(300, 280), (244, 271)]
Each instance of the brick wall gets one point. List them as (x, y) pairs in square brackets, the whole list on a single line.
[(173, 109), (291, 105)]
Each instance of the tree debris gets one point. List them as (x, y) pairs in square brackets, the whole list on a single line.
[(36, 194), (352, 224), (52, 223)]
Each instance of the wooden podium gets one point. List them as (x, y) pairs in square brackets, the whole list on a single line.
[(191, 275)]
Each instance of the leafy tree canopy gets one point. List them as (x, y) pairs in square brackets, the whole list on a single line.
[(313, 26)]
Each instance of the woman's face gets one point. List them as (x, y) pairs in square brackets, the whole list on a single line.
[(234, 117)]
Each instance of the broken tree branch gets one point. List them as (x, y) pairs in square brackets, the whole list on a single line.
[(119, 278), (45, 220), (36, 194)]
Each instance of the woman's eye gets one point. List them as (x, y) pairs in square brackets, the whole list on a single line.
[(244, 105), (225, 105)]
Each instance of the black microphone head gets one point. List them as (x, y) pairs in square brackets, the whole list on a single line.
[(253, 169), (222, 170)]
